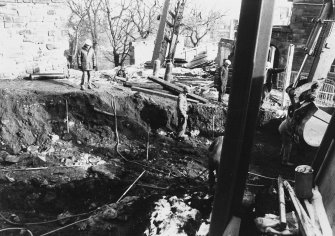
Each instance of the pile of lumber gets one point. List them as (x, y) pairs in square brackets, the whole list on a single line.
[(311, 214), (159, 87), (176, 89), (200, 60)]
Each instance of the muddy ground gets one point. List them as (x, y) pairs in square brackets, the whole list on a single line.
[(48, 172)]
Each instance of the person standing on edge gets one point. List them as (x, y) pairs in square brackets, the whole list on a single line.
[(86, 63), (223, 78), (182, 112)]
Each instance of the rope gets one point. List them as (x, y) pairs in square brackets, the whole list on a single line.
[(64, 227), (8, 229), (43, 222)]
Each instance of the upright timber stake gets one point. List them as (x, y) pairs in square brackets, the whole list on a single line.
[(252, 45), (325, 151), (168, 71), (161, 43), (287, 80), (282, 205), (67, 117), (157, 66)]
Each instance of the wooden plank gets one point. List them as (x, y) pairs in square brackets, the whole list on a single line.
[(233, 228), (47, 76), (320, 213), (282, 205), (307, 228), (143, 85), (176, 89), (160, 94), (115, 77)]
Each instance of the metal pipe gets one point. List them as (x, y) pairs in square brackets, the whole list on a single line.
[(296, 80)]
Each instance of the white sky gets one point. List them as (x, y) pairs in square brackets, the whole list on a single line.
[(232, 5)]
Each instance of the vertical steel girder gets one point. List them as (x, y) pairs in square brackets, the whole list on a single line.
[(325, 151), (252, 45)]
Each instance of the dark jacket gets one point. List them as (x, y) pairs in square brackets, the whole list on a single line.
[(86, 58)]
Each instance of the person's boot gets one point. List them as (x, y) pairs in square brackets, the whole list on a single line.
[(82, 87), (89, 86)]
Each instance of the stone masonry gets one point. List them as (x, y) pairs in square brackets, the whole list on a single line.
[(297, 32), (33, 37)]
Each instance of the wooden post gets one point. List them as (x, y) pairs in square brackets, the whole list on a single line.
[(157, 66), (168, 71), (252, 45), (320, 213), (148, 143), (67, 117), (272, 55), (287, 80), (213, 126), (282, 205), (161, 44), (307, 228)]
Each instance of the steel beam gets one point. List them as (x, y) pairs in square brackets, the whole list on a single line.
[(324, 150), (252, 44)]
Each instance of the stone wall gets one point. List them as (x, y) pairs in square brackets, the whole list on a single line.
[(301, 24), (33, 38), (297, 32)]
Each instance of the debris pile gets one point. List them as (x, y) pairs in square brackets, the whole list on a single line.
[(172, 216)]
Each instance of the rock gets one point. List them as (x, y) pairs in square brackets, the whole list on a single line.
[(173, 217), (12, 159), (61, 217), (109, 214), (67, 137), (42, 157), (104, 170), (203, 230), (33, 149), (10, 179), (68, 162), (54, 138), (3, 155), (15, 218), (195, 133)]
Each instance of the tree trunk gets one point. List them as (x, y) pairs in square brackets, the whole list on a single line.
[(116, 58), (95, 48)]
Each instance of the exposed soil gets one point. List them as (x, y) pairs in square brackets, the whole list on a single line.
[(84, 171)]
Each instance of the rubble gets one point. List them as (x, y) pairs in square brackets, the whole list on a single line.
[(173, 217)]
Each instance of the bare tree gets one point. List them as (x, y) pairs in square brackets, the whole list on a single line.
[(119, 22), (75, 26), (85, 19), (197, 24), (144, 16), (120, 30)]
